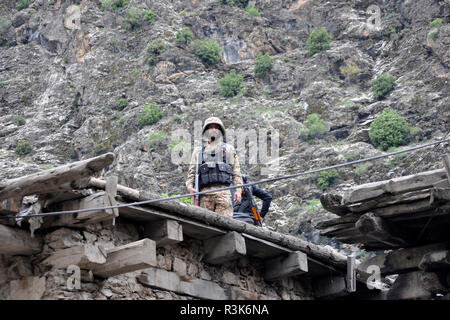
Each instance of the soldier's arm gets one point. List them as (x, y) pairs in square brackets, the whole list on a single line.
[(191, 171), (265, 196)]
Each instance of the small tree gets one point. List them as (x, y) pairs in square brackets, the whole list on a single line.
[(231, 84), (184, 37), (326, 178), (388, 130), (318, 40), (156, 48), (122, 103), (382, 85), (314, 126), (22, 148), (150, 114), (22, 4), (263, 64), (208, 51)]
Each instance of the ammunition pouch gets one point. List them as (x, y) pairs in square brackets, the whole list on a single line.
[(214, 174)]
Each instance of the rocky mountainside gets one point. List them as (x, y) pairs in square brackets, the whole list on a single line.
[(76, 75)]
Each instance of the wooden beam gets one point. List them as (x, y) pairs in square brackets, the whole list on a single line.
[(333, 203), (394, 186), (294, 264), (10, 206), (122, 190), (401, 260), (444, 183), (350, 279), (376, 228), (446, 160), (14, 241), (329, 287), (415, 285), (81, 219), (224, 248), (84, 256), (435, 260), (127, 258), (75, 175), (439, 195), (164, 232)]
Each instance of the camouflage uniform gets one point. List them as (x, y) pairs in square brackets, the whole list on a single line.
[(220, 201)]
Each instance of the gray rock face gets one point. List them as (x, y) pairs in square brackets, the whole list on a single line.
[(65, 65)]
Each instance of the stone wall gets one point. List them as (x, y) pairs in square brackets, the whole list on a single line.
[(179, 272)]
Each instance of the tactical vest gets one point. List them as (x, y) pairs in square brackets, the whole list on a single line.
[(214, 173)]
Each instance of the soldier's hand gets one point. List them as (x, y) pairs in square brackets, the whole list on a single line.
[(192, 190), (237, 198)]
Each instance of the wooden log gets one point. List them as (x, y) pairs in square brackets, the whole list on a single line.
[(349, 218), (81, 219), (75, 175), (84, 256), (401, 260), (435, 260), (333, 203), (439, 195), (378, 229), (416, 285), (389, 200), (444, 183), (446, 160), (127, 258), (350, 279), (394, 186), (124, 191), (329, 287), (164, 232), (399, 209), (294, 264), (224, 248), (10, 206), (15, 241)]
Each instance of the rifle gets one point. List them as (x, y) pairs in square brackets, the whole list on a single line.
[(254, 208), (197, 176)]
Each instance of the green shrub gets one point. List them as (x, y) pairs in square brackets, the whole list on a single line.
[(252, 12), (134, 18), (231, 84), (5, 24), (388, 130), (118, 4), (207, 50), (155, 138), (23, 147), (350, 71), (149, 15), (361, 169), (326, 178), (434, 34), (187, 200), (263, 64), (156, 48), (22, 4), (150, 114), (318, 40), (122, 103), (436, 23), (184, 37), (101, 148), (382, 85), (19, 120), (313, 206), (313, 127)]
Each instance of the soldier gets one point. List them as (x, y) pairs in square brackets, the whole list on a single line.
[(218, 167), (243, 211)]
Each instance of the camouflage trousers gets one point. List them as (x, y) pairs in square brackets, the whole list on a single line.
[(219, 202)]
